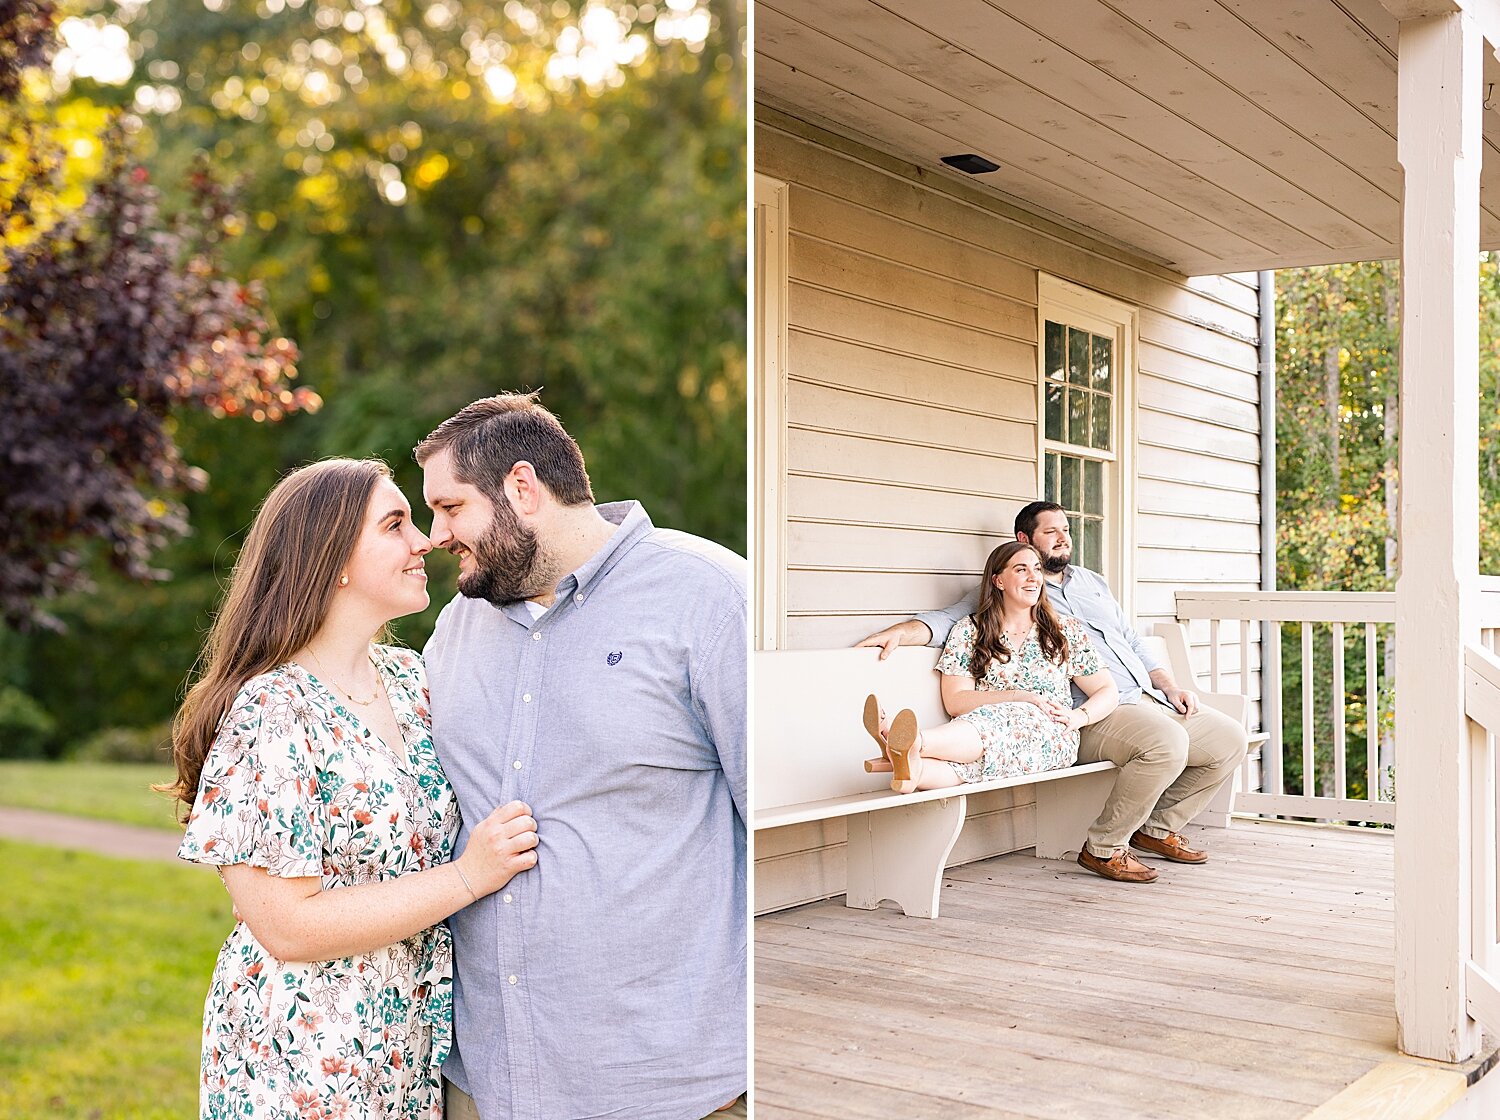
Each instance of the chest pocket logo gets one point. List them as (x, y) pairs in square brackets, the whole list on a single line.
[(614, 658)]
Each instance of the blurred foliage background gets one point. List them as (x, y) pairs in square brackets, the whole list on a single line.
[(440, 200), (1338, 415)]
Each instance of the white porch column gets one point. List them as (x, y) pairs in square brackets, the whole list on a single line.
[(1438, 140)]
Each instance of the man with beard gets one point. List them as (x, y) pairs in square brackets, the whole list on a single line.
[(593, 666), (1173, 755)]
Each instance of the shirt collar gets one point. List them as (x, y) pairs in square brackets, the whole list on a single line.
[(632, 523)]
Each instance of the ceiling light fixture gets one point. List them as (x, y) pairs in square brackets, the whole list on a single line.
[(971, 164)]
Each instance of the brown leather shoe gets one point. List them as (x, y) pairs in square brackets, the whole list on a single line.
[(1122, 867), (1172, 846)]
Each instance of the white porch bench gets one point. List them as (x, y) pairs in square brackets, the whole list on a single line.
[(810, 743)]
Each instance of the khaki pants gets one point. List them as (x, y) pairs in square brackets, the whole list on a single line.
[(458, 1105), (1171, 766)]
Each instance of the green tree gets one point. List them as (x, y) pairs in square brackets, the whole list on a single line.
[(443, 201), (1337, 431)]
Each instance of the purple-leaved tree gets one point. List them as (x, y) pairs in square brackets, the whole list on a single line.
[(111, 317)]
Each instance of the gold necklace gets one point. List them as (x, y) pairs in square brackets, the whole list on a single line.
[(349, 695)]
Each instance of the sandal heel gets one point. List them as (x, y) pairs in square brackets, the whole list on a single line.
[(881, 765), (905, 755)]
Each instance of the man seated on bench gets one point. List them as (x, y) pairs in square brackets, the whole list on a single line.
[(1173, 755)]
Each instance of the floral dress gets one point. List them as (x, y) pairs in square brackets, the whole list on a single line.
[(295, 784), (1018, 737)]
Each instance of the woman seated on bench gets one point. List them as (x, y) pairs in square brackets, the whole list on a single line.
[(1005, 672)]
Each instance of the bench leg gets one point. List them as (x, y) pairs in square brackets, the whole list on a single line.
[(1066, 808), (900, 854)]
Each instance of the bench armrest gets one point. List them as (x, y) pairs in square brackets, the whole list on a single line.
[(1232, 704)]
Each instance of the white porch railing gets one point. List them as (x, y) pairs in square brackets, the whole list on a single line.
[(1482, 706), (1328, 624)]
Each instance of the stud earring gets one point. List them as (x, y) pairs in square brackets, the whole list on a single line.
[(343, 581)]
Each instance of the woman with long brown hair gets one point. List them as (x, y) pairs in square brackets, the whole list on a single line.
[(308, 778), (1005, 671)]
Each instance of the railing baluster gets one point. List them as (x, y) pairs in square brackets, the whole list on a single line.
[(1245, 657), (1309, 771), (1372, 717), (1272, 717), (1490, 836), (1246, 774), (1340, 778), (1482, 815), (1486, 832), (1213, 655)]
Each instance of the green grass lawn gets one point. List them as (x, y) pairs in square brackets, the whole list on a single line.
[(109, 791), (104, 964)]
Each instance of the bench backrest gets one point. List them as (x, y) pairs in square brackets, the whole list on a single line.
[(809, 737)]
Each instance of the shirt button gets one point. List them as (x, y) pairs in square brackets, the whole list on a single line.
[(537, 636), (517, 764), (507, 900), (527, 698), (578, 598), (512, 979)]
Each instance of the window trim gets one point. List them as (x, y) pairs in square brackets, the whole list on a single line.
[(1063, 301), (768, 423)]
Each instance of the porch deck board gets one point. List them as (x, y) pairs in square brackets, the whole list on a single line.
[(1257, 985)]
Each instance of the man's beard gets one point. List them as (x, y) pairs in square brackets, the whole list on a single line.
[(1055, 563), (505, 561)]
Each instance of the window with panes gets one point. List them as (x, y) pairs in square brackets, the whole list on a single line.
[(1080, 379)]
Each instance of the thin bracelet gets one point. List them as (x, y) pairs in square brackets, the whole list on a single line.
[(465, 878), (1088, 716)]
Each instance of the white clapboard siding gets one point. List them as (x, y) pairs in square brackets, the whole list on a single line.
[(833, 545), (1174, 367), (1238, 290), (1163, 394), (1202, 502), (905, 421), (858, 367), (837, 269), (871, 502), (911, 421), (1208, 470), (838, 455), (892, 327)]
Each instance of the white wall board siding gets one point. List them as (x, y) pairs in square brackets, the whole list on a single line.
[(911, 419)]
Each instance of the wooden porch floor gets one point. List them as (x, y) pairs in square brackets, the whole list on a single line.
[(1257, 985)]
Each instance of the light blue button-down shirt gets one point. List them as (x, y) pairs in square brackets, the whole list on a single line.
[(608, 980), (1085, 596)]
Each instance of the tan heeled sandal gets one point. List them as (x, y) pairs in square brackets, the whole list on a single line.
[(905, 753), (881, 765)]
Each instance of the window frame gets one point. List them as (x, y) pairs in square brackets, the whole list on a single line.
[(1070, 304), (768, 423)]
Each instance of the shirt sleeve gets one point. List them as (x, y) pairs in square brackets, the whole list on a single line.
[(1083, 659), (718, 691), (940, 622), (258, 799), (958, 651)]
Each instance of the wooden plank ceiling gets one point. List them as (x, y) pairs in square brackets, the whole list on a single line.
[(1208, 135)]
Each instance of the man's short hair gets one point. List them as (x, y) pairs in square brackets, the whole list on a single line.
[(490, 436), (1026, 520)]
